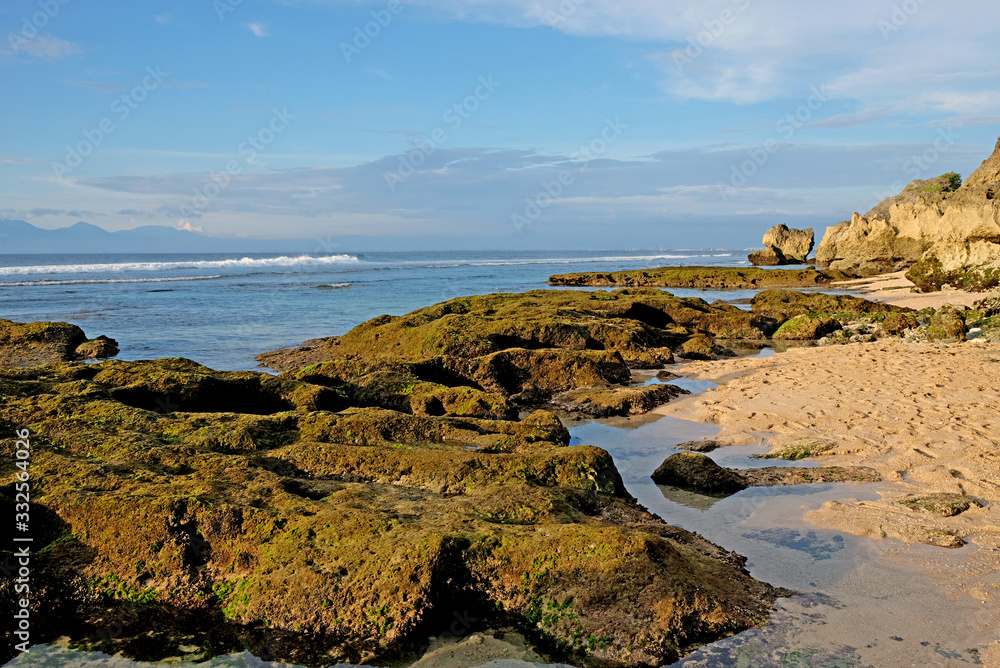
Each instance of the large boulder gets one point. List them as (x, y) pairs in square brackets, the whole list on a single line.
[(951, 232), (784, 245)]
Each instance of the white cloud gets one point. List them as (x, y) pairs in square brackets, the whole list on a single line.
[(163, 19), (749, 51), (185, 224), (258, 29)]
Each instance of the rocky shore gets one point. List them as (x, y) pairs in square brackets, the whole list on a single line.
[(390, 478), (349, 508)]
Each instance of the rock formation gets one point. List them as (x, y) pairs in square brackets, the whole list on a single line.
[(941, 232), (196, 512), (711, 278), (26, 344), (784, 245)]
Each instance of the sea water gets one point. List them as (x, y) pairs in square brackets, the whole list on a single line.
[(222, 310)]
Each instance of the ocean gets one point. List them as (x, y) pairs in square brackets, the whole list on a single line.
[(222, 310)]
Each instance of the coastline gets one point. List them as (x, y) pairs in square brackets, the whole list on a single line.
[(921, 414), (340, 382)]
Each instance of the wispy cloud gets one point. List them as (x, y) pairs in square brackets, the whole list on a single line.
[(258, 29), (750, 51), (40, 212), (40, 47), (93, 85), (9, 160), (163, 19)]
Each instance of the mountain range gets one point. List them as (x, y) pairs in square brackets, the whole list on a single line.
[(18, 236)]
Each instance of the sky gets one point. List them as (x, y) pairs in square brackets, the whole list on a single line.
[(487, 123)]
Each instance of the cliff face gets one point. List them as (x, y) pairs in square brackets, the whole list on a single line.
[(988, 173), (954, 234)]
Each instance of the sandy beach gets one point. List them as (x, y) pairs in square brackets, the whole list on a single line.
[(896, 289), (924, 415)]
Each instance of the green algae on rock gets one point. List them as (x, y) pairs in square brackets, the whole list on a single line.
[(484, 355), (229, 510), (713, 278), (26, 344), (696, 471)]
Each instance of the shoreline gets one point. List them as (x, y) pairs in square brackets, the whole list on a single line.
[(912, 411)]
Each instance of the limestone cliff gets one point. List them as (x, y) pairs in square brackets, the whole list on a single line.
[(945, 234)]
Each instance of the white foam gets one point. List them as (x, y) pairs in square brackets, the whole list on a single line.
[(242, 263), (93, 281)]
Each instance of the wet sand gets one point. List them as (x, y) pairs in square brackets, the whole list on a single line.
[(925, 416)]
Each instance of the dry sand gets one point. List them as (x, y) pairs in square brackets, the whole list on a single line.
[(897, 289), (925, 416)]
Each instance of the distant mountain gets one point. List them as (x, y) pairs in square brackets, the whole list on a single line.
[(18, 236)]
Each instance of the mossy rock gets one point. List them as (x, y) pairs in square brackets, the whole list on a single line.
[(946, 325), (929, 275), (32, 343), (322, 537), (713, 278), (609, 401), (806, 328), (695, 471), (801, 449), (942, 504), (987, 329), (785, 304)]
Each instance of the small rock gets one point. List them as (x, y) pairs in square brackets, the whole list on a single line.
[(699, 446), (100, 348), (698, 472)]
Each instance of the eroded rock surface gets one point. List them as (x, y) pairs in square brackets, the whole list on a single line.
[(784, 245), (236, 510), (26, 344), (483, 356), (712, 278)]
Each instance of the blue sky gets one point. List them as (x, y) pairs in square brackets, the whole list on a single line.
[(490, 123)]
